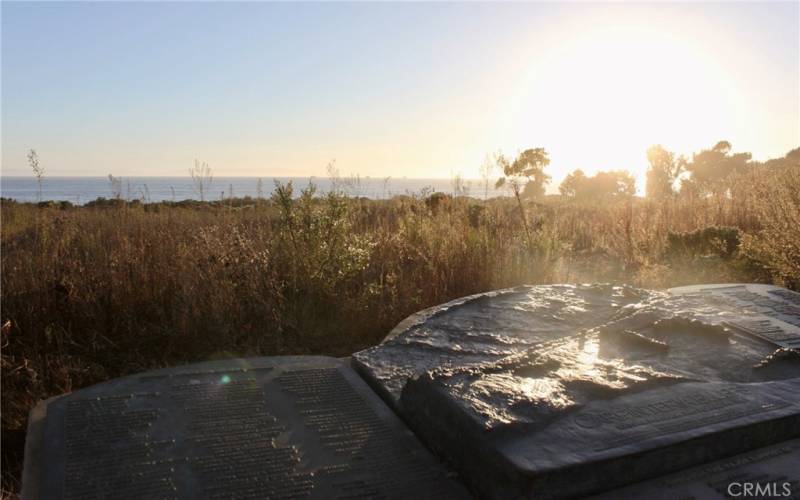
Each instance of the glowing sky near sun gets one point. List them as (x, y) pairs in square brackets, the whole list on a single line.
[(414, 90)]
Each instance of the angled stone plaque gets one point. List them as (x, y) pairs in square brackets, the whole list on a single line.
[(293, 427), (654, 383)]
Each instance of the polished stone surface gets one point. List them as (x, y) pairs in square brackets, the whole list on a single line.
[(247, 428), (559, 391), (485, 327)]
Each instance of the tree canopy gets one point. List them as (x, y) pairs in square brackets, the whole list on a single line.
[(712, 171), (663, 171), (525, 175), (615, 183)]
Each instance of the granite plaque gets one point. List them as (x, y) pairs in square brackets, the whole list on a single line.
[(293, 427), (643, 385)]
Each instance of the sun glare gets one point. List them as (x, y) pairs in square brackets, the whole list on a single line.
[(599, 99)]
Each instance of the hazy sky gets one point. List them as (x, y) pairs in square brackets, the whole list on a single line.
[(416, 90)]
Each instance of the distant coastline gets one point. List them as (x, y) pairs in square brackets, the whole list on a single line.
[(80, 190)]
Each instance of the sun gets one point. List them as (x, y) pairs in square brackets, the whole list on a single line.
[(598, 99)]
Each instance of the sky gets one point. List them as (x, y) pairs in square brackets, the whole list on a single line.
[(390, 89)]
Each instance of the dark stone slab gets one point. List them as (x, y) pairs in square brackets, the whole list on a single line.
[(769, 472), (484, 327), (247, 428), (627, 386)]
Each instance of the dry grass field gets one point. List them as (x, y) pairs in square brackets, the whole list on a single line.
[(99, 291)]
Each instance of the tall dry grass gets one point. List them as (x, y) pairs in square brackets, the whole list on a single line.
[(102, 291)]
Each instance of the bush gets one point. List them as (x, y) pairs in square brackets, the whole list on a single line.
[(718, 241), (775, 247)]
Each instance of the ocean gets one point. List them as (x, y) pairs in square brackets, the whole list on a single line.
[(80, 190)]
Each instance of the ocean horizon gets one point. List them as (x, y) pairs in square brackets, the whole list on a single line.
[(80, 190)]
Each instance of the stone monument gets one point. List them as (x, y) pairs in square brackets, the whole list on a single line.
[(561, 391), (553, 391)]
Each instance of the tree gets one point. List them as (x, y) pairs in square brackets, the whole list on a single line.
[(613, 184), (793, 156), (663, 172), (202, 177), (791, 159), (712, 170), (38, 170), (526, 172), (616, 183), (572, 184)]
